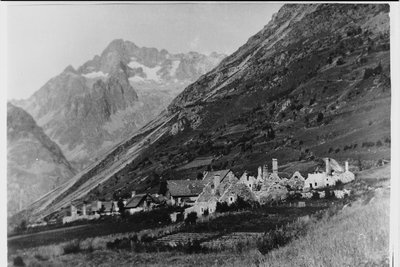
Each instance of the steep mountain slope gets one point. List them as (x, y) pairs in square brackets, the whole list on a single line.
[(35, 164), (86, 111), (314, 82)]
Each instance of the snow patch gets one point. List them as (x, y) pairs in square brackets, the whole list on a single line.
[(136, 79), (95, 74), (151, 73), (174, 67)]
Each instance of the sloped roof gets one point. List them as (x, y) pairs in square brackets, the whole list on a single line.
[(185, 188), (335, 165), (297, 175), (137, 199), (107, 205), (210, 175), (238, 189), (224, 185)]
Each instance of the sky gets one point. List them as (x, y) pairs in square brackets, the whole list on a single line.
[(42, 40)]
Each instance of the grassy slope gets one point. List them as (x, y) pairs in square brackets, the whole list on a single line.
[(357, 236)]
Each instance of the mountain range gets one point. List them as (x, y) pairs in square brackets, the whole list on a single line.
[(314, 82), (88, 110)]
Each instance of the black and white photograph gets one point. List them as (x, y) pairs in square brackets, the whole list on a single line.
[(199, 134)]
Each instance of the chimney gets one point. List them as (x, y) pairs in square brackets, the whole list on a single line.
[(84, 210), (275, 166), (346, 166), (259, 176), (217, 180), (133, 194), (265, 171), (73, 210), (98, 205), (327, 166)]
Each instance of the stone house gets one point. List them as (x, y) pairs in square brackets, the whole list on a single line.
[(275, 193), (222, 188), (250, 181), (333, 173), (184, 192), (140, 202), (78, 212)]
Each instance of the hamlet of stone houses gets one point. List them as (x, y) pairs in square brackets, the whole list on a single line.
[(222, 186)]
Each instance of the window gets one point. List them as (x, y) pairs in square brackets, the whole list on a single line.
[(315, 183), (250, 185)]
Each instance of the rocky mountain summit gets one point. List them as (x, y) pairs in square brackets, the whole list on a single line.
[(35, 164), (314, 82), (88, 110)]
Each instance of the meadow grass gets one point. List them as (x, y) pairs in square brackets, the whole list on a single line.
[(356, 236)]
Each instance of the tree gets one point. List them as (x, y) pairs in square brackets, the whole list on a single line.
[(199, 176), (21, 227), (241, 203), (222, 207), (271, 133), (163, 187), (121, 207), (155, 179), (191, 218), (206, 212), (315, 195), (320, 117), (329, 194), (102, 209)]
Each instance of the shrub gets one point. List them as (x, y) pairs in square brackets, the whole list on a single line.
[(206, 212), (72, 247), (368, 144), (338, 183), (272, 240), (320, 117), (18, 261), (40, 257), (222, 207), (315, 195), (194, 247), (329, 194), (372, 72), (191, 218), (340, 61)]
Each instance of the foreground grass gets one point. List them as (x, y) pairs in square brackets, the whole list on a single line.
[(357, 236)]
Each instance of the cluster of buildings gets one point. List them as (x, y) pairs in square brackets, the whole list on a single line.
[(221, 186), (93, 210)]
